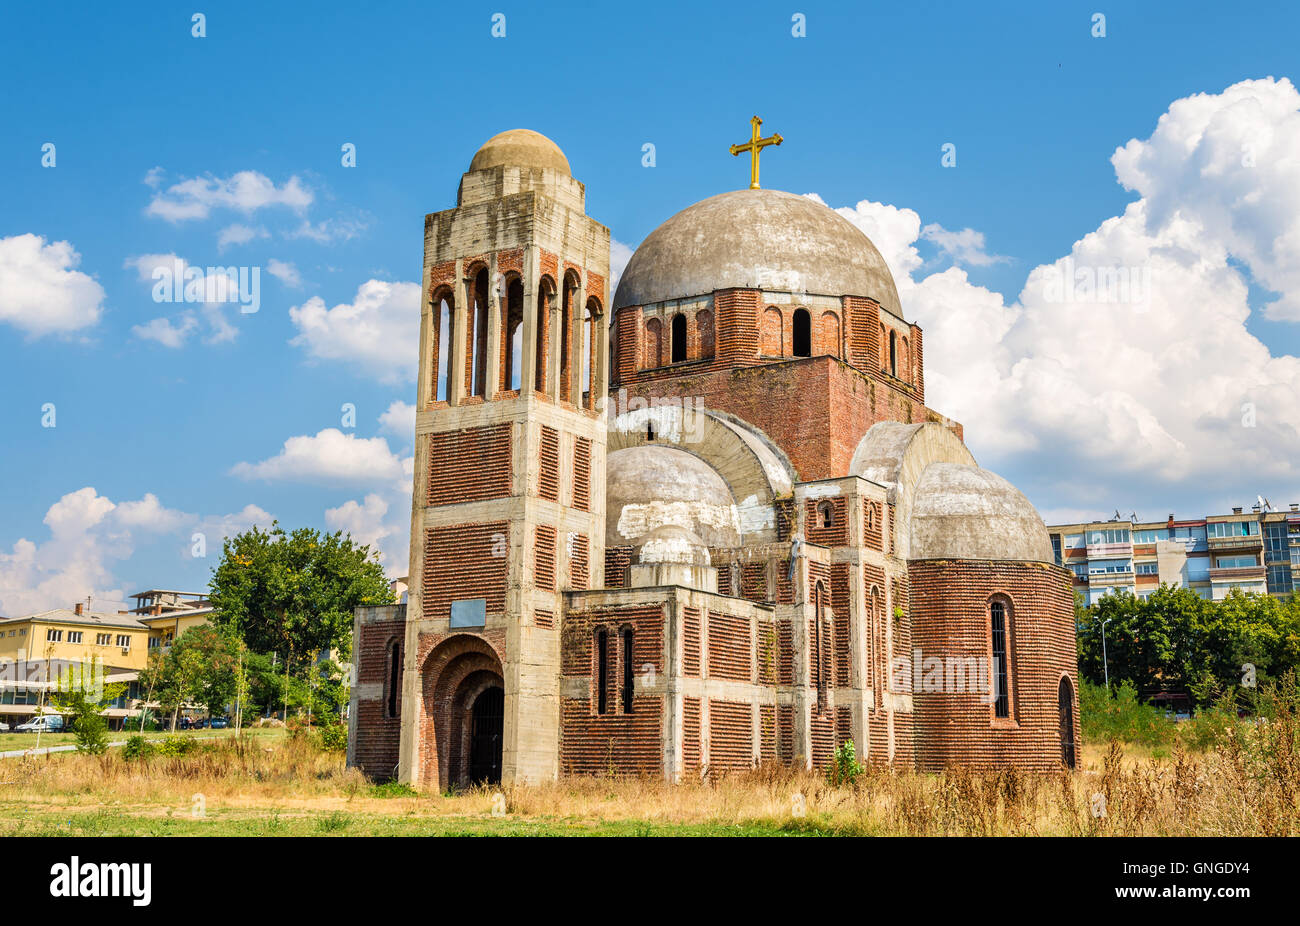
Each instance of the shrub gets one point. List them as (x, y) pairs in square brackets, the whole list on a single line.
[(333, 737), (844, 768), (174, 745), (137, 747), (1121, 716)]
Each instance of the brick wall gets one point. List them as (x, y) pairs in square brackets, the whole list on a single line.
[(376, 734), (464, 561), (469, 465), (950, 618)]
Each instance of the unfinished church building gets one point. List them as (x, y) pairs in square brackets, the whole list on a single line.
[(703, 525)]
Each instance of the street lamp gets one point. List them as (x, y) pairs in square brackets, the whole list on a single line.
[(1105, 663)]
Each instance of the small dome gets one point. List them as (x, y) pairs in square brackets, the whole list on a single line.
[(964, 512), (672, 544), (649, 486), (756, 239), (520, 148)]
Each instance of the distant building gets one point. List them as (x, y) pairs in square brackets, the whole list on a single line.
[(1256, 551), (36, 649)]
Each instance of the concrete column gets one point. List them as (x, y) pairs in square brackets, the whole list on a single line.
[(555, 313), (456, 349), (493, 358), (426, 385)]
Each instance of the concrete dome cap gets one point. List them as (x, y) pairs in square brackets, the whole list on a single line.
[(520, 148), (967, 513), (756, 239)]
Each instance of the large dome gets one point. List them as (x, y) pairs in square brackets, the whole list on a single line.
[(650, 486), (756, 239), (964, 512), (520, 148)]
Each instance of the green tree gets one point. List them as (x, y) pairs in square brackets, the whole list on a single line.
[(83, 697), (294, 593), (214, 679)]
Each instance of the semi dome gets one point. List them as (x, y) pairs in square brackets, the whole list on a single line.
[(649, 486), (674, 545), (520, 148), (756, 239), (964, 512)]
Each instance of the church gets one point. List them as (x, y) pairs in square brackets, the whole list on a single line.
[(699, 524)]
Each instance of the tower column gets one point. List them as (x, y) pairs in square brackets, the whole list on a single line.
[(456, 349), (577, 312), (493, 358), (528, 353)]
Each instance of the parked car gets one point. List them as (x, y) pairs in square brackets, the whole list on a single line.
[(4, 727), (219, 723), (46, 723)]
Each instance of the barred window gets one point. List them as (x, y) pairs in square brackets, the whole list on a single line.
[(627, 670), (1001, 678), (602, 670)]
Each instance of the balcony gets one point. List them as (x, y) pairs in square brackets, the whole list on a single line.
[(1110, 551), (1107, 579), (1238, 574), (1251, 544)]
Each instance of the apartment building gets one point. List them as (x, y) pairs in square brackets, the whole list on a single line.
[(1256, 551)]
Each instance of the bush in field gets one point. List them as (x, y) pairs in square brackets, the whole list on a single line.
[(844, 768), (137, 747), (171, 746), (1121, 716), (332, 737)]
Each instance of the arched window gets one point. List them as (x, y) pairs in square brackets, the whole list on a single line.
[(477, 366), (654, 343), (825, 514), (877, 649), (540, 380), (1000, 683), (570, 290), (602, 670), (1065, 711), (830, 334), (906, 365), (628, 670), (893, 354), (773, 334), (443, 316), (394, 678), (588, 396), (871, 516), (801, 334), (704, 332), (679, 338), (512, 342)]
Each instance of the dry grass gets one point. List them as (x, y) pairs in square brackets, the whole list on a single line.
[(1249, 784)]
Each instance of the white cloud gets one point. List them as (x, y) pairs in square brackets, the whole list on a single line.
[(377, 333), (166, 332), (1155, 382), (284, 271), (246, 191), (330, 457), (216, 287), (327, 231), (41, 292), (88, 535), (239, 234), (399, 420), (371, 523), (964, 247)]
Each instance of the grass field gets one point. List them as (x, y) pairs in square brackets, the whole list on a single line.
[(279, 785), (14, 741)]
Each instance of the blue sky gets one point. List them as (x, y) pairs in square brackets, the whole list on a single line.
[(152, 126)]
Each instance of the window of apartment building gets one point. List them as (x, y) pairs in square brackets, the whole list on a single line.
[(103, 639), (154, 642), (1147, 569), (1233, 529), (1056, 548), (1110, 535), (1102, 566), (1275, 542), (1079, 569), (53, 636), (1235, 562), (74, 636), (1280, 580), (1075, 541), (124, 640), (1152, 536)]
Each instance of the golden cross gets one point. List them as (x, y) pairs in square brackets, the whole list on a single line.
[(754, 146)]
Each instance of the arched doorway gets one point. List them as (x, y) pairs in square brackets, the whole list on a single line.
[(1065, 711), (463, 717), (487, 726)]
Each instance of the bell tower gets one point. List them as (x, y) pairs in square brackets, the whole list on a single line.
[(508, 508)]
